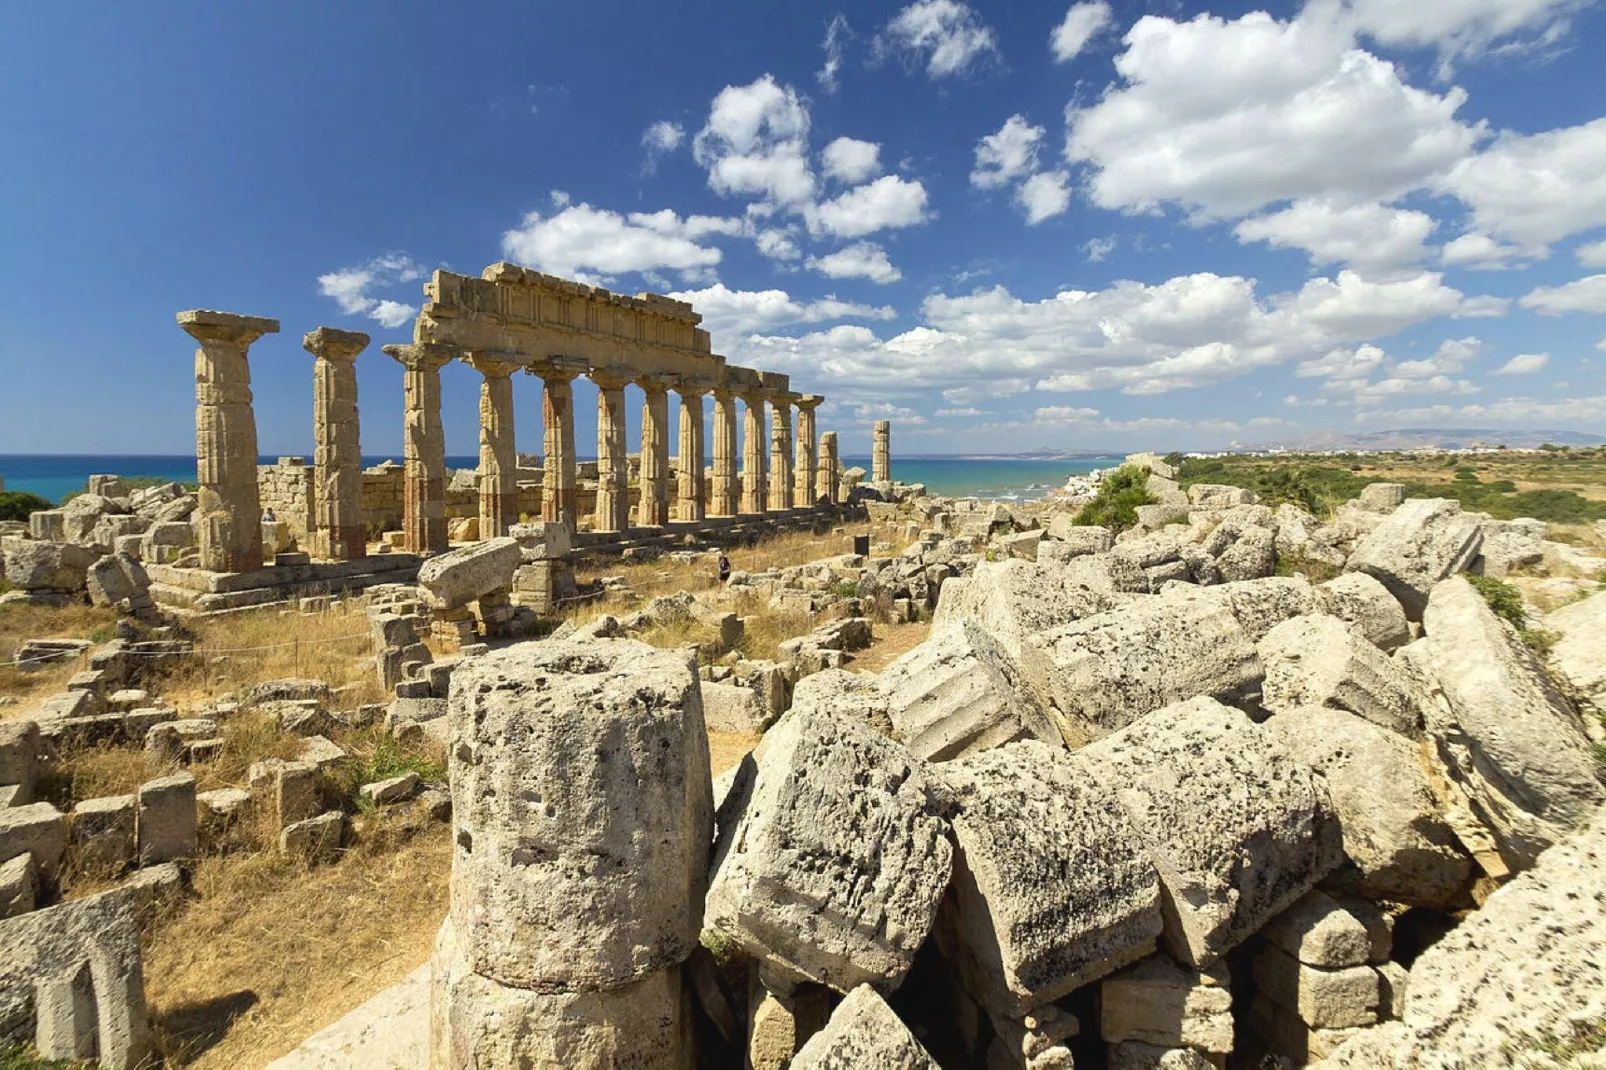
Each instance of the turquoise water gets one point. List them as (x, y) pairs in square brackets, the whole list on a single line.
[(54, 477)]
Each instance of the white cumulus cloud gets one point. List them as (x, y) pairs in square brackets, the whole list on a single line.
[(1367, 235), (579, 239), (351, 288), (948, 37), (1006, 155), (660, 139), (888, 203), (744, 311), (1081, 24), (1045, 194), (755, 142), (1523, 364), (1587, 294), (850, 160), (861, 260), (1535, 189)]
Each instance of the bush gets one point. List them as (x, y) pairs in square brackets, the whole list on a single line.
[(1503, 598), (17, 504), (1115, 505)]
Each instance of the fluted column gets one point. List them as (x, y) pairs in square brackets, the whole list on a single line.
[(828, 487), (652, 510), (722, 497), (613, 466), (499, 463), (807, 458), (881, 453), (229, 509), (689, 481), (559, 484), (780, 480), (423, 445), (754, 442), (341, 534)]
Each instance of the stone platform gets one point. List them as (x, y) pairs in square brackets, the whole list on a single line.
[(709, 532), (201, 591)]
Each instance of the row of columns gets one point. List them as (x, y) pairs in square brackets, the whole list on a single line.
[(791, 473)]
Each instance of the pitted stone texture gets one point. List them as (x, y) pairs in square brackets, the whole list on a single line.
[(1341, 998), (458, 577), (856, 696), (117, 578), (863, 1034), (1237, 828), (1052, 886), (478, 1024), (1580, 653), (1320, 931), (20, 747), (1508, 739), (38, 829), (1135, 1055), (1159, 1002), (583, 810), (1110, 670), (833, 863), (959, 692), (1397, 838), (1257, 605), (1320, 661), (1012, 599), (1365, 603), (1422, 542), (35, 566)]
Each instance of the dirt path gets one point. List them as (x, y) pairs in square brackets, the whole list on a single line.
[(891, 641)]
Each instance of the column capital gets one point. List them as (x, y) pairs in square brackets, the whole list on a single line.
[(611, 378), (331, 343), (422, 356), (808, 402), (205, 325), (493, 363), (558, 369), (652, 385)]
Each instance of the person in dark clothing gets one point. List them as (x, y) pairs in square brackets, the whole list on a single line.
[(724, 569)]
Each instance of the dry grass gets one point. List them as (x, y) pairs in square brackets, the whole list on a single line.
[(725, 749), (18, 624)]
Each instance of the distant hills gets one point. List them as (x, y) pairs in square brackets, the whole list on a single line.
[(1448, 438)]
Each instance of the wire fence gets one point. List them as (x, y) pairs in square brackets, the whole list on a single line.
[(48, 657)]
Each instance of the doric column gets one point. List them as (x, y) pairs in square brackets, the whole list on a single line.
[(229, 511), (613, 467), (341, 534), (780, 496), (754, 441), (881, 453), (829, 487), (689, 484), (722, 497), (558, 481), (807, 458), (423, 445), (652, 510), (499, 463)]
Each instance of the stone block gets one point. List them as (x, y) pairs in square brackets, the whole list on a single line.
[(1257, 605), (1135, 1055), (1078, 540), (394, 790), (321, 752), (102, 832), (1367, 605), (959, 692), (1323, 998), (116, 579), (1422, 542), (290, 689), (19, 758), (317, 839), (1318, 931), (64, 1010), (1381, 497), (1218, 496), (840, 693), (832, 866), (1320, 661), (780, 1021), (167, 820), (583, 807), (461, 576), (1111, 669), (863, 1033), (1237, 828), (1052, 886), (1283, 1032), (59, 566), (734, 708), (1579, 653), (1159, 1002), (38, 829), (19, 885), (288, 789)]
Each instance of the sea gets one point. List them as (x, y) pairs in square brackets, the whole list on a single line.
[(1006, 479)]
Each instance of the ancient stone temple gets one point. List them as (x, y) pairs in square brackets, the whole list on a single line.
[(881, 455)]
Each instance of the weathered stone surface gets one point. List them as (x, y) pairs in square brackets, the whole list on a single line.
[(583, 807), (734, 708), (477, 1023), (1135, 1055), (782, 1019), (1237, 828), (1318, 931), (832, 869), (863, 1034), (1282, 1030), (1052, 886), (856, 696), (1257, 605), (1219, 496), (290, 689), (1252, 555), (1381, 497), (1079, 539), (960, 691), (166, 819), (392, 790), (19, 758), (1159, 1002), (1013, 599), (34, 566), (317, 839), (1580, 653), (1401, 846), (289, 790), (460, 576), (1419, 544), (1365, 603), (1109, 670), (388, 1032), (102, 832), (1323, 998), (19, 885), (1319, 660), (1039, 1045), (1508, 739), (38, 829)]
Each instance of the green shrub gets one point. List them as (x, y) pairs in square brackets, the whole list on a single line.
[(14, 1056), (17, 504), (1115, 505), (1503, 598)]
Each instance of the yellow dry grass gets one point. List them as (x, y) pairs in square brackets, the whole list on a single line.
[(18, 624)]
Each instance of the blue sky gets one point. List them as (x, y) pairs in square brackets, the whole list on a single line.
[(1099, 225)]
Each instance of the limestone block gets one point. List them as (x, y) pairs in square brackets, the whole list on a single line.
[(1135, 1055), (290, 689), (1013, 599), (1381, 497), (102, 832), (959, 692), (59, 566), (1158, 1002), (1052, 886), (1323, 998), (64, 1011), (167, 819), (79, 517), (289, 790), (392, 790), (1401, 846), (19, 885), (1020, 544), (543, 540), (1365, 603), (1319, 660), (19, 758), (1218, 496), (1580, 654), (321, 752), (38, 829), (390, 1031), (833, 864), (1318, 931), (583, 807), (476, 1022), (864, 1034), (1422, 542), (840, 693), (1508, 738), (460, 576), (1284, 1032), (1079, 539), (734, 708), (1394, 982), (1109, 670), (781, 1020), (1257, 605), (317, 839), (1237, 828)]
